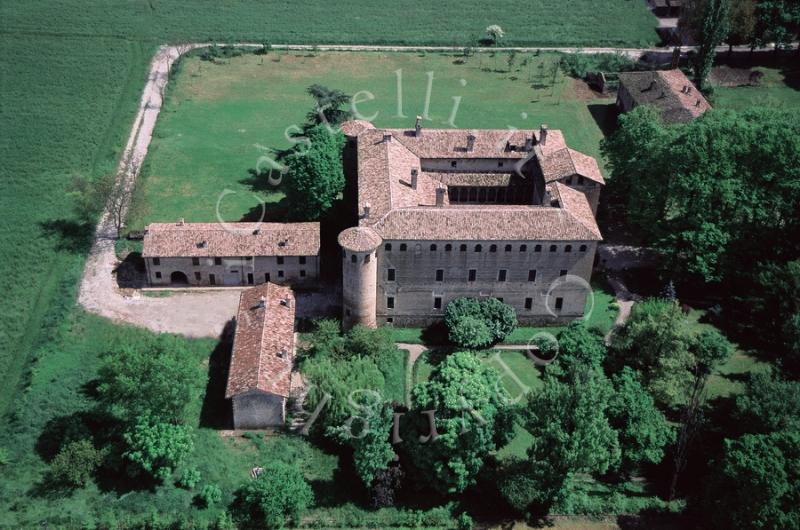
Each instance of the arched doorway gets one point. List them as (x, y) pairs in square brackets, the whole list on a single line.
[(179, 278)]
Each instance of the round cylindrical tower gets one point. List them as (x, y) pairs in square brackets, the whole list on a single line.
[(359, 275)]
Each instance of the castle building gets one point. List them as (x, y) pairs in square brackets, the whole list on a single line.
[(209, 254), (446, 213)]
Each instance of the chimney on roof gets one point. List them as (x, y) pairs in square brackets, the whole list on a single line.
[(652, 85), (203, 244), (543, 133), (418, 126), (181, 222), (256, 231), (262, 302), (529, 143), (387, 137), (285, 302), (698, 103), (414, 178), (282, 353), (366, 209), (440, 191), (470, 142), (688, 89)]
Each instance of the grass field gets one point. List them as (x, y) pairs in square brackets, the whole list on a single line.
[(773, 91), (221, 120)]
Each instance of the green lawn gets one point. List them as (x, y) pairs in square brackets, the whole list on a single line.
[(223, 120), (773, 91)]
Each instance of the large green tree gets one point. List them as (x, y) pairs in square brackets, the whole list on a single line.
[(315, 176), (580, 344), (777, 21), (476, 323), (769, 404), (757, 483), (276, 499), (472, 414), (156, 447), (714, 28)]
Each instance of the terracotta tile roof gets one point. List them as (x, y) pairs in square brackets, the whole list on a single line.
[(387, 158), (668, 90), (263, 345), (567, 162), (353, 128), (231, 239), (359, 239)]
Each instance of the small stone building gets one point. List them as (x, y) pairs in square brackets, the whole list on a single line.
[(446, 213), (670, 91), (209, 254), (260, 371)]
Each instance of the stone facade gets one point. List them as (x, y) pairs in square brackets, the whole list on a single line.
[(258, 410), (196, 272)]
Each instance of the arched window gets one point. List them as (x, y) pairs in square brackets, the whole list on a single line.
[(493, 248), (537, 248), (478, 248), (463, 248), (353, 258), (448, 247), (433, 247), (508, 248), (553, 248), (523, 248), (403, 247), (567, 248), (387, 247), (582, 248)]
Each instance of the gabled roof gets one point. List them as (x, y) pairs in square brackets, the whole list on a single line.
[(231, 239), (670, 91), (567, 162), (263, 345)]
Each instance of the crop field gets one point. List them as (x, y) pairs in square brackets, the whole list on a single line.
[(223, 121)]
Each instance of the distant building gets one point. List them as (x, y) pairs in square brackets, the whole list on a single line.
[(199, 254), (259, 378), (445, 213), (669, 91)]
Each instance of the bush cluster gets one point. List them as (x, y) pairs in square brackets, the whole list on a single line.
[(474, 323)]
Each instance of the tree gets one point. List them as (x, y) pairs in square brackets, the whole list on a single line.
[(328, 106), (475, 323), (669, 293), (157, 448), (579, 344), (642, 428), (655, 341), (571, 432), (385, 486), (777, 21), (742, 23), (76, 463), (277, 498), (315, 177), (369, 436), (715, 27), (757, 483), (88, 196), (158, 378), (495, 33), (769, 404), (471, 414)]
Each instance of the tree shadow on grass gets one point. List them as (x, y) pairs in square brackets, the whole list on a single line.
[(216, 412), (71, 236)]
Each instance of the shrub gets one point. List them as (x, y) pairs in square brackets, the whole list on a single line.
[(75, 464), (189, 478), (475, 323), (209, 495), (276, 498), (4, 458), (580, 64), (158, 448)]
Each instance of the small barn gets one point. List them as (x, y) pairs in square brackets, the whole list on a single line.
[(669, 91), (260, 371)]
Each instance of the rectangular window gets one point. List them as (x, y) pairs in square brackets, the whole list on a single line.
[(501, 275), (248, 258), (437, 302), (528, 303), (390, 302), (532, 275), (302, 273), (195, 261), (439, 275), (499, 298), (389, 320), (559, 304), (158, 275), (266, 276), (156, 261), (280, 260), (562, 272), (301, 260), (280, 274), (197, 276), (472, 274), (390, 275), (217, 261), (212, 279)]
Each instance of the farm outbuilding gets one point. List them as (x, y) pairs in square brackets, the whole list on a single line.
[(261, 361)]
